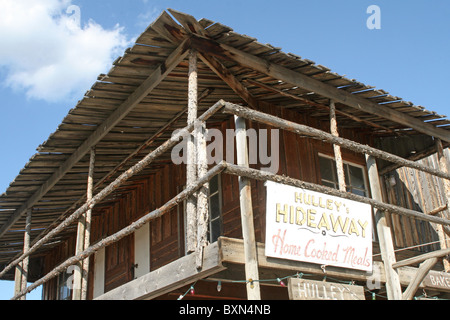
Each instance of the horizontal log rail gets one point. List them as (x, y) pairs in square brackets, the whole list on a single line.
[(422, 257), (265, 175), (183, 195), (280, 123), (116, 183)]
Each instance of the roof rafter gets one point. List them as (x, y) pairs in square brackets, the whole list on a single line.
[(193, 26), (229, 79), (317, 105)]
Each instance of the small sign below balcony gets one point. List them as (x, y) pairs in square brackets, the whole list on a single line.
[(301, 289), (313, 227)]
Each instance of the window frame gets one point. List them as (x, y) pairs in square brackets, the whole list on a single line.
[(213, 238), (64, 292), (346, 173), (219, 217), (351, 162)]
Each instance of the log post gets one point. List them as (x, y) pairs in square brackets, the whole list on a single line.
[(82, 234), (337, 148), (443, 238), (87, 235), (21, 275), (202, 195), (18, 278), (191, 167), (248, 229), (393, 288), (77, 271)]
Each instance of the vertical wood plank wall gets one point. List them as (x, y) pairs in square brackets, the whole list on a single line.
[(419, 191)]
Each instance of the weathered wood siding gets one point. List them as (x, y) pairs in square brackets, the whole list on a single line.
[(419, 191)]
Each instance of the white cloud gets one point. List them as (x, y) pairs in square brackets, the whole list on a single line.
[(48, 53)]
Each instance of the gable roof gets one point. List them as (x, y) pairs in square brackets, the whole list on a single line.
[(142, 99)]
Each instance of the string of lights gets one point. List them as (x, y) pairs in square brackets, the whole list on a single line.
[(191, 290), (281, 281)]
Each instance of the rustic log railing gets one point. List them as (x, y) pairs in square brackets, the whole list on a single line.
[(297, 128), (265, 175), (116, 183), (238, 170), (190, 190)]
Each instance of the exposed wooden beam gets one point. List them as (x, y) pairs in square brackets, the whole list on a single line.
[(21, 275), (422, 257), (248, 229), (134, 98), (167, 28), (191, 153), (437, 210), (227, 52), (415, 157), (393, 288), (297, 128), (193, 26), (264, 175), (336, 148), (88, 221), (318, 105), (220, 70), (189, 23)]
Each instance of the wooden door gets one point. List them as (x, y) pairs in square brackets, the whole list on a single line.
[(119, 256), (119, 263)]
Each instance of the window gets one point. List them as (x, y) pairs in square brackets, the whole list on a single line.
[(215, 209), (355, 178), (64, 292)]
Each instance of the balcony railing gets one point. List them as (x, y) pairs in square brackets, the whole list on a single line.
[(245, 173)]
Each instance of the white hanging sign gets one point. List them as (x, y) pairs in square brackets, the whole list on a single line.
[(308, 226)]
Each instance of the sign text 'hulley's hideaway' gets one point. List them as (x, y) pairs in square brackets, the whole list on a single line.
[(314, 227)]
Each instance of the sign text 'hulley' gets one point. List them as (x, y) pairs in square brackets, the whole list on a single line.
[(300, 289)]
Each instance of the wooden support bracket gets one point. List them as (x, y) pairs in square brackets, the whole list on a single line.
[(421, 273)]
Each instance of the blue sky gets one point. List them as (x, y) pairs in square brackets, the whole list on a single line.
[(50, 56)]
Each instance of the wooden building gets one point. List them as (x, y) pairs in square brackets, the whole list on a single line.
[(103, 211)]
